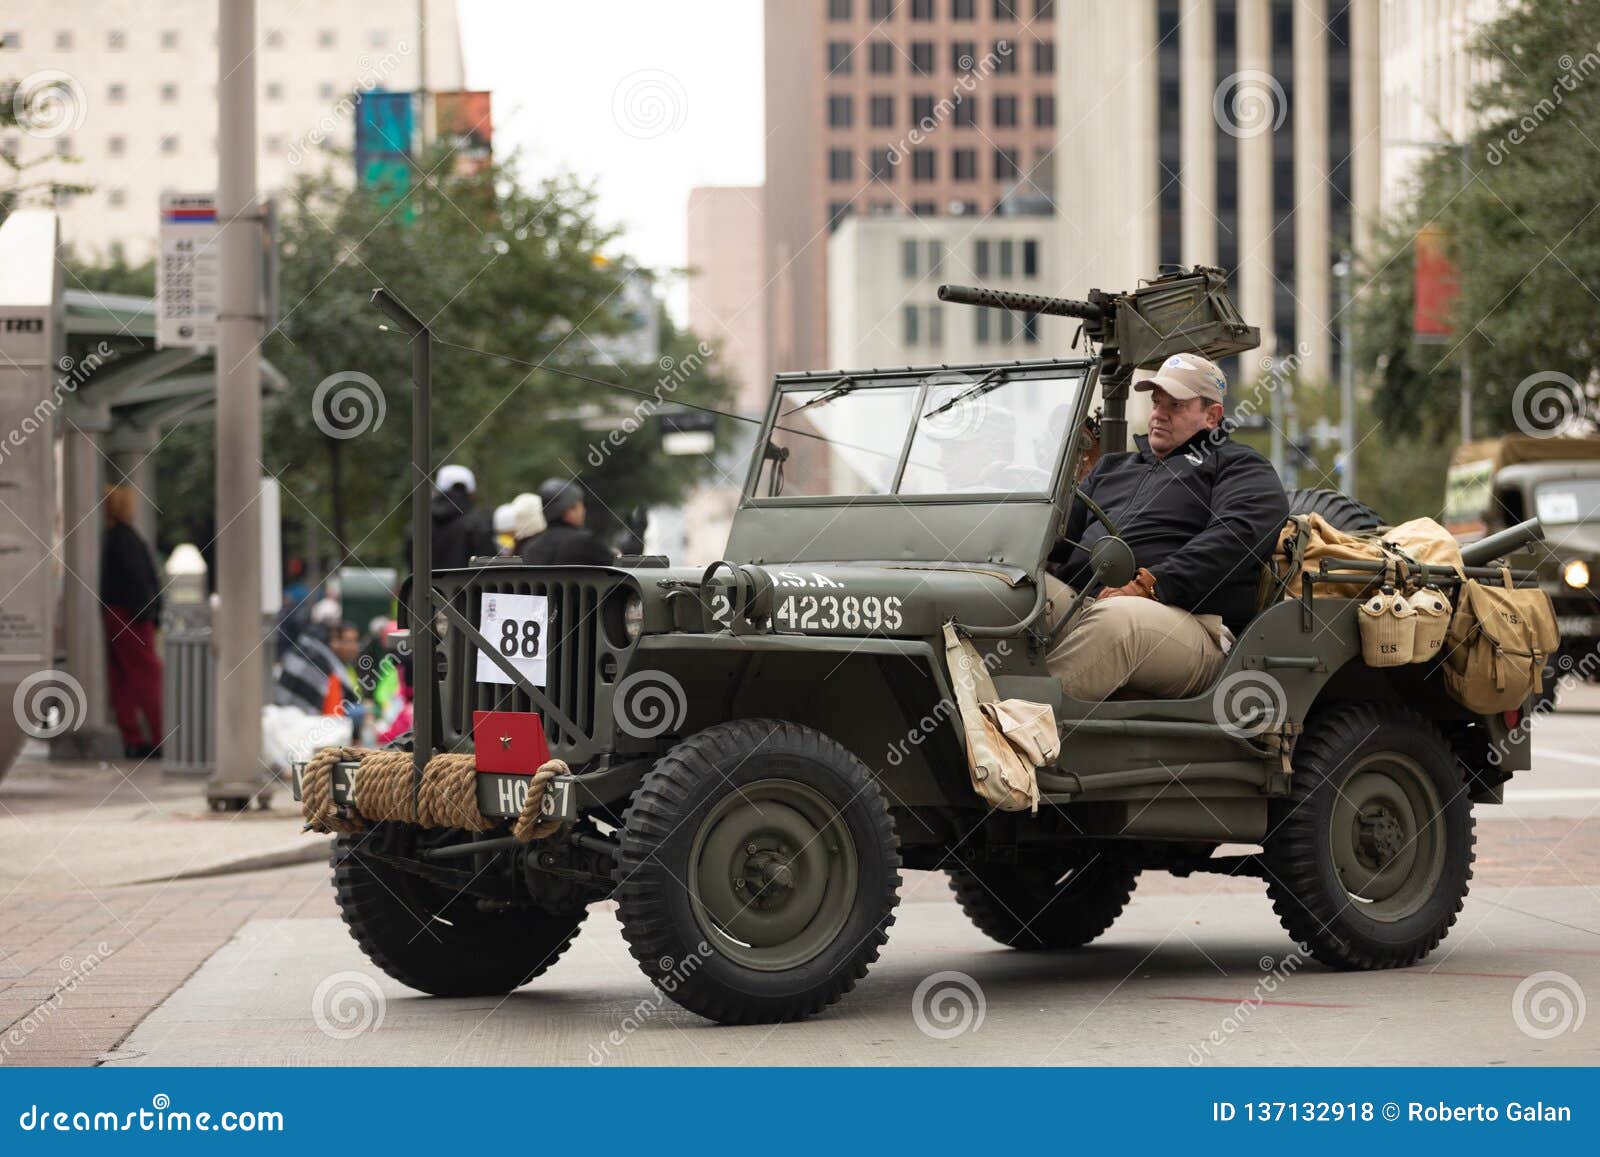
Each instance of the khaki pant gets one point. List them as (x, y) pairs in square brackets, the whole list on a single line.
[(1139, 644)]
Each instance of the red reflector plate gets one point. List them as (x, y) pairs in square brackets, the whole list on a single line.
[(509, 742)]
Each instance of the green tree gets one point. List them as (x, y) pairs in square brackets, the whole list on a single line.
[(1520, 222), (492, 263)]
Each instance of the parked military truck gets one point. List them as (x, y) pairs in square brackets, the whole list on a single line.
[(752, 752), (1499, 482)]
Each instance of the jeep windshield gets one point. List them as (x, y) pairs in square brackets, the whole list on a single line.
[(978, 430)]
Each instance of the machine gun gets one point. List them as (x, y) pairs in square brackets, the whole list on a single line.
[(1182, 311)]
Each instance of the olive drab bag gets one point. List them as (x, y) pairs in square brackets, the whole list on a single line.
[(1007, 740), (1499, 639)]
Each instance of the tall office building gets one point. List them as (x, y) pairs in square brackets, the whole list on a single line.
[(895, 107), (1239, 133), (133, 95)]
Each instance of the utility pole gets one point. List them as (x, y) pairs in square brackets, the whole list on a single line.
[(1344, 270), (236, 630)]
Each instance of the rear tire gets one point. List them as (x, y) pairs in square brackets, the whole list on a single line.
[(759, 872), (1036, 909), (430, 938), (1369, 856), (1339, 510)]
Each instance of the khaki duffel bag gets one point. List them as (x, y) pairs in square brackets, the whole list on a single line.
[(1007, 740), (1499, 639)]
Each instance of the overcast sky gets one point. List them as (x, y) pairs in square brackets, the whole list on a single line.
[(649, 98)]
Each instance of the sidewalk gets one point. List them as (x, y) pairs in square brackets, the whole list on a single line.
[(87, 826)]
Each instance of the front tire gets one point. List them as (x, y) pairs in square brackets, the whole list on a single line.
[(759, 872), (430, 937), (1369, 856), (1042, 909)]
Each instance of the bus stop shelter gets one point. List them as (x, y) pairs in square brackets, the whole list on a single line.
[(86, 396)]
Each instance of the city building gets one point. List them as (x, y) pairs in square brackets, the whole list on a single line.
[(883, 278), (1239, 133), (133, 91), (922, 108), (726, 286)]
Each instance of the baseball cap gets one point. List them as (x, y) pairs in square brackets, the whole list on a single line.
[(1186, 376), (454, 475)]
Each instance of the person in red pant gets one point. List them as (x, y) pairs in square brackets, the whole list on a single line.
[(130, 599)]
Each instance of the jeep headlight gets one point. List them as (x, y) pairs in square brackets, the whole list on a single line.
[(1576, 574), (633, 617)]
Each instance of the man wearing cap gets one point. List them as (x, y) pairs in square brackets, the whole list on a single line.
[(565, 541), (460, 530), (1201, 513)]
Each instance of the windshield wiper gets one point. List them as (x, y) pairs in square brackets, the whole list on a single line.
[(838, 390), (977, 390)]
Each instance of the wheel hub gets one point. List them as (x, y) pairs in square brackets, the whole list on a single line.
[(1379, 835), (1387, 838)]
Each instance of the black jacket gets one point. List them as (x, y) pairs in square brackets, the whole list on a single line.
[(128, 576), (460, 531), (562, 544), (1202, 520)]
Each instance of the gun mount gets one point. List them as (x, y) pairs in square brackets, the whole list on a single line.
[(1183, 311)]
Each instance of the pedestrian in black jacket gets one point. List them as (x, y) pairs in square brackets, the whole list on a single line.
[(130, 607), (461, 531), (565, 541), (1201, 513)]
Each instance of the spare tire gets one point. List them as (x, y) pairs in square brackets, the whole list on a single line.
[(1338, 509)]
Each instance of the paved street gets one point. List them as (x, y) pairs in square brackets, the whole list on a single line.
[(254, 967)]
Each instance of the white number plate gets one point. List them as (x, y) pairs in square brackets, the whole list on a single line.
[(518, 626)]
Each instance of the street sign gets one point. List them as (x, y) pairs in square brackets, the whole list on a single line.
[(188, 284), (687, 431)]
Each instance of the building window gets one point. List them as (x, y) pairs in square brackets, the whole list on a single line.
[(882, 168), (880, 58), (116, 40), (961, 9), (1005, 165), (1044, 110), (274, 38), (980, 260), (1005, 251), (1044, 9), (839, 57), (963, 55), (909, 250), (325, 91), (274, 91), (966, 112), (922, 9), (63, 146), (117, 198), (924, 209), (935, 257), (935, 325), (169, 40), (1030, 328), (922, 58), (839, 164), (327, 38), (1030, 259), (910, 315), (64, 198), (377, 38), (1005, 9), (924, 165), (882, 112), (116, 93), (1008, 326), (116, 146), (964, 164), (841, 112), (980, 326), (169, 144), (1005, 112), (837, 211), (64, 40), (1044, 56), (169, 93), (1005, 56), (838, 9), (272, 144), (922, 112), (882, 9)]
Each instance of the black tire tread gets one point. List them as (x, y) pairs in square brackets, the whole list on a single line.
[(998, 906), (1340, 510)]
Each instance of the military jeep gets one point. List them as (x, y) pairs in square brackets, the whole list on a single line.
[(757, 749)]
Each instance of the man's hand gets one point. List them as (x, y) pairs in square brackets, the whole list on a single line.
[(1143, 586)]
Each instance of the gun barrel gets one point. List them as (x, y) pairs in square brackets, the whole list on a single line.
[(1022, 302), (1503, 542)]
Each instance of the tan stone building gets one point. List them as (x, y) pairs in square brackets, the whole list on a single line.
[(921, 108)]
